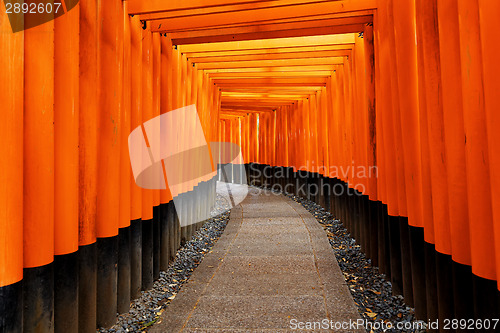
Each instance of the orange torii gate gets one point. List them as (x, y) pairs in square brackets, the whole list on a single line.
[(384, 112)]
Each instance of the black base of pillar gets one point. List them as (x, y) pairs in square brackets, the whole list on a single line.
[(135, 258), (11, 308), (430, 282), (38, 299), (418, 271), (165, 237), (373, 221), (445, 288), (87, 288), (124, 271), (395, 249), (147, 254), (463, 293), (156, 242), (66, 293), (406, 261), (485, 300), (107, 280)]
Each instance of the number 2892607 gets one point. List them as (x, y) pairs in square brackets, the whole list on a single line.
[(33, 8)]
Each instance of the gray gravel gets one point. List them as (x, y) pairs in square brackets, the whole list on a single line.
[(146, 310), (371, 292)]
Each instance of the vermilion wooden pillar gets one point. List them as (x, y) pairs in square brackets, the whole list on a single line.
[(66, 119), (455, 155), (38, 166), (87, 196), (11, 193), (482, 238), (490, 45), (135, 191), (147, 194), (110, 59)]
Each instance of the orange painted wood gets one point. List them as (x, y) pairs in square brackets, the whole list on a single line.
[(166, 98), (476, 145), (348, 124), (271, 52), (147, 109), (427, 208), (232, 7), (344, 40), (138, 6), (156, 59), (109, 128), (371, 118), (38, 207), (427, 17), (271, 34), (66, 117), (125, 170), (323, 157), (263, 14), (331, 134), (11, 153), (273, 63), (136, 105), (360, 117), (449, 51), (88, 123), (406, 61), (398, 154), (308, 27), (386, 112), (490, 47)]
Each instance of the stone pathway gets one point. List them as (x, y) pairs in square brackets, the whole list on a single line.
[(272, 270)]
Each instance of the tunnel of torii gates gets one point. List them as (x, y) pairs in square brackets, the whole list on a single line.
[(390, 107)]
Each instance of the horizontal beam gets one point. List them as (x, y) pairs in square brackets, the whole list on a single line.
[(313, 68), (272, 63), (299, 32), (275, 90), (241, 113), (221, 8), (230, 116), (231, 95), (270, 43), (272, 51), (272, 106), (249, 99), (262, 14), (229, 84), (152, 6), (248, 108), (286, 81), (323, 74), (273, 56)]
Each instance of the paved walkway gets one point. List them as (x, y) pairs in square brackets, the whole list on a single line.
[(272, 268)]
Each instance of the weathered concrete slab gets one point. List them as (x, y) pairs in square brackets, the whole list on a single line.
[(272, 267)]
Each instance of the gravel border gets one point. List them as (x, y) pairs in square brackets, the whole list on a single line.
[(146, 310), (372, 293), (369, 289)]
